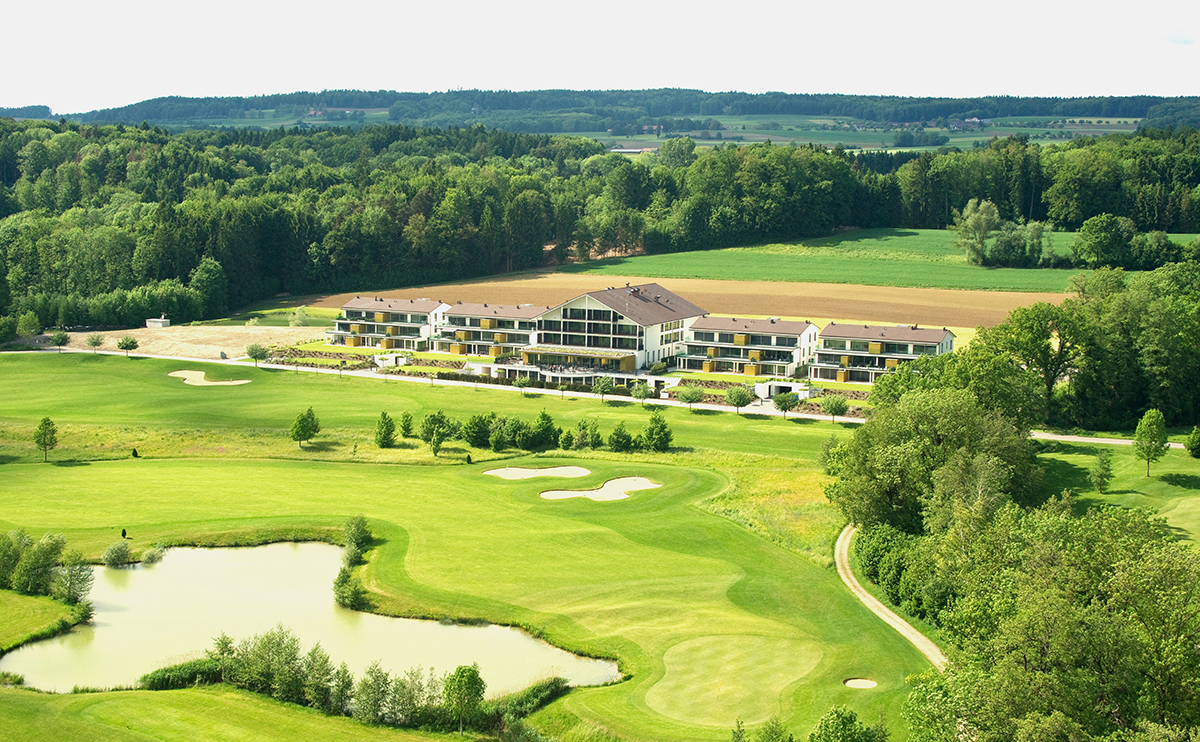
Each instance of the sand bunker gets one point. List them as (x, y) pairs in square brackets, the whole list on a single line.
[(516, 472), (196, 378), (613, 489), (859, 683)]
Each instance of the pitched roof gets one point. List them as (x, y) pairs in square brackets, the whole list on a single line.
[(384, 304), (647, 304), (755, 326), (898, 333), (506, 311)]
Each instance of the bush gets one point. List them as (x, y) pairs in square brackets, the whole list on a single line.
[(153, 555), (1192, 444), (197, 672), (385, 431), (620, 441), (117, 554), (8, 328), (348, 591), (657, 435)]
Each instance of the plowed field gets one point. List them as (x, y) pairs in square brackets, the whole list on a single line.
[(843, 302)]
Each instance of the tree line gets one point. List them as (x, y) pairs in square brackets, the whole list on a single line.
[(105, 225), (458, 107)]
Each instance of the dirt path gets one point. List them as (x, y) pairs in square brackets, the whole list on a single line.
[(882, 304), (841, 555)]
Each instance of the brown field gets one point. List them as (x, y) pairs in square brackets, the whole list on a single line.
[(842, 302), (201, 342)]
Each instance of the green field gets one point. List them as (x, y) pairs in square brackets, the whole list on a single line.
[(713, 592), (924, 258), (24, 615)]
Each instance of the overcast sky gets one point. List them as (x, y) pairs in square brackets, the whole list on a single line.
[(75, 56)]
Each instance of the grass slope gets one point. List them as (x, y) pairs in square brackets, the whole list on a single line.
[(713, 621), (923, 258)]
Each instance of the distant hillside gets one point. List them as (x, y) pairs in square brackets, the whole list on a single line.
[(572, 110), (26, 112)]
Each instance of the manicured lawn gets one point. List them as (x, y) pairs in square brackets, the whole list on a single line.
[(217, 713), (24, 615), (713, 621), (877, 257), (1172, 490)]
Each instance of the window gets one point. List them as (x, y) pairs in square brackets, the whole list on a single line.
[(924, 350), (574, 313), (703, 337), (548, 324), (760, 339), (599, 315), (832, 344), (785, 341), (526, 326), (895, 348), (861, 346), (725, 337)]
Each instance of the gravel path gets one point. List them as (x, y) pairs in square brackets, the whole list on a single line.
[(841, 555)]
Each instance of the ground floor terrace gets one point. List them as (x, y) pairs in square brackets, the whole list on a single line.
[(742, 366)]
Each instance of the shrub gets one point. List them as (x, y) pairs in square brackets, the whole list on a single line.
[(8, 328), (153, 555), (185, 675), (117, 554), (1192, 444), (406, 425), (348, 591), (385, 431), (566, 439), (657, 435), (620, 441)]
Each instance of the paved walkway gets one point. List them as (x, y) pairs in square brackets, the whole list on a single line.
[(841, 556), (1041, 435)]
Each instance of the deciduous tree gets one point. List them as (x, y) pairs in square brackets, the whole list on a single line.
[(305, 427), (785, 402), (1150, 438), (127, 343), (46, 437), (463, 691), (689, 395), (834, 405), (738, 397), (256, 352)]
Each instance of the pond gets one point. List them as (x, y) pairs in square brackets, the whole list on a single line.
[(151, 616)]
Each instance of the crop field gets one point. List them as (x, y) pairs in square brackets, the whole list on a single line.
[(713, 591), (924, 258)]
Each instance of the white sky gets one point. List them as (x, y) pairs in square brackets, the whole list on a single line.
[(75, 56)]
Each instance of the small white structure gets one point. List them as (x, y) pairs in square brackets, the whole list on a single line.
[(160, 321)]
